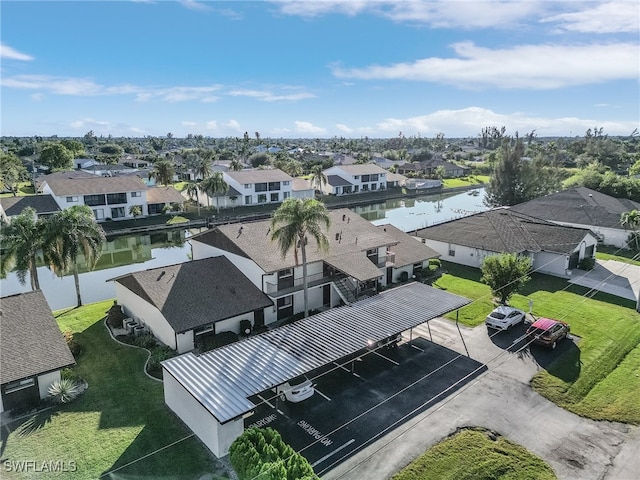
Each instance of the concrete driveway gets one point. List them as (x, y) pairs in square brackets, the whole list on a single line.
[(609, 276), (502, 400)]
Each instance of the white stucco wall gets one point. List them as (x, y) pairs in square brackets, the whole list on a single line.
[(185, 342), (616, 237), (216, 437), (247, 266), (233, 324), (550, 263), (45, 380), (138, 309)]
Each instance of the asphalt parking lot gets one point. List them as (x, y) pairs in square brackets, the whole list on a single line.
[(350, 410)]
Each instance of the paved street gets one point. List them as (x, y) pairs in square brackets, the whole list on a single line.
[(501, 400)]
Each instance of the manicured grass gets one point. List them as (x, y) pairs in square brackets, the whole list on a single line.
[(476, 455), (24, 190), (613, 253), (606, 360), (119, 419), (465, 181)]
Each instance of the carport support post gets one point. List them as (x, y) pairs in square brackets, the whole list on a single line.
[(458, 327), (429, 328)]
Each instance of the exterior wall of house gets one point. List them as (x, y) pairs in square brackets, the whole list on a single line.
[(397, 272), (217, 438), (550, 263), (251, 197), (616, 237), (185, 342), (102, 212), (302, 194), (233, 324), (356, 180), (471, 257), (138, 309), (44, 382), (248, 267)]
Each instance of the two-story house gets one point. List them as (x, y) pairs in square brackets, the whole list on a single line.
[(348, 179), (360, 258), (259, 186), (108, 197)]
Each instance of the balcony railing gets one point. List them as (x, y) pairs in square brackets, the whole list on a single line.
[(314, 279)]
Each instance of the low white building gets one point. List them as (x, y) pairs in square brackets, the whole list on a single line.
[(179, 303), (553, 249), (259, 186), (348, 179), (32, 350)]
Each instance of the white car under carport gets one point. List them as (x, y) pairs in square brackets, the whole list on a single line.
[(296, 390)]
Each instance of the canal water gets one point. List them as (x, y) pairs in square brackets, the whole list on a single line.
[(132, 253)]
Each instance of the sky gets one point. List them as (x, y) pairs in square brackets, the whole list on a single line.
[(319, 68)]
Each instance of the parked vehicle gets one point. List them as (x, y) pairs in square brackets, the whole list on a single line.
[(548, 332), (296, 390), (504, 317)]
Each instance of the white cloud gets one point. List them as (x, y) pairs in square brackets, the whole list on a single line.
[(269, 96), (233, 125), (186, 123), (535, 67), (193, 5), (307, 128), (10, 53), (344, 128), (90, 123), (610, 17)]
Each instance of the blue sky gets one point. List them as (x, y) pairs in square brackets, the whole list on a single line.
[(319, 68)]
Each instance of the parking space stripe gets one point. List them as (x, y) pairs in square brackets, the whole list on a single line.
[(387, 358), (347, 370), (322, 394), (266, 401), (332, 453)]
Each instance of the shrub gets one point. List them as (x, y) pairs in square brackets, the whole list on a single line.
[(64, 390), (587, 263), (147, 341), (71, 343), (69, 373), (434, 263), (159, 354)]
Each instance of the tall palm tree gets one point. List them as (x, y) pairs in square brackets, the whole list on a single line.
[(20, 241), (292, 222), (631, 220), (193, 190), (214, 186), (318, 178), (203, 168), (163, 172), (69, 233)]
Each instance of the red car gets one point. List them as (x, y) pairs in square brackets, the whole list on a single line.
[(548, 332)]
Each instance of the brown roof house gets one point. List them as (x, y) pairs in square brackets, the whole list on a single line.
[(33, 350), (553, 249), (361, 256), (178, 303)]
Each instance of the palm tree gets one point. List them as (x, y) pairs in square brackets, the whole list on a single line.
[(163, 172), (318, 178), (235, 165), (20, 241), (203, 168), (292, 222), (214, 186), (631, 220), (69, 233), (135, 211), (193, 190)]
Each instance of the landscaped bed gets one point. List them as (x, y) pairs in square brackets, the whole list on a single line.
[(599, 378), (476, 454), (120, 419)]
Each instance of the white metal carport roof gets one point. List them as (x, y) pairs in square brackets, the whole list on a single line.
[(223, 379)]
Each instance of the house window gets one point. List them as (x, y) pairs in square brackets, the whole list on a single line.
[(374, 186), (247, 185), (356, 188), (262, 198), (452, 250), (136, 194), (286, 182), (365, 188), (286, 195), (356, 177), (338, 190), (247, 200), (99, 213), (261, 187), (365, 178), (285, 302), (202, 329), (116, 198), (117, 212), (93, 200), (19, 385), (72, 199), (274, 186), (275, 197)]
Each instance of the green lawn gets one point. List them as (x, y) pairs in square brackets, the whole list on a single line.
[(613, 253), (24, 189), (599, 378), (119, 419), (474, 454), (465, 181)]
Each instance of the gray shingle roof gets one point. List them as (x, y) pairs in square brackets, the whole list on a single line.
[(581, 206), (30, 339), (164, 195), (40, 203), (259, 176), (196, 293), (73, 183), (337, 181), (253, 240), (408, 250), (503, 230)]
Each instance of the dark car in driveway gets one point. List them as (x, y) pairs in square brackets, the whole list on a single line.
[(548, 332)]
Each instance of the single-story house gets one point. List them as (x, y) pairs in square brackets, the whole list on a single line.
[(584, 208), (33, 350), (178, 303), (428, 168), (553, 249), (44, 205)]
